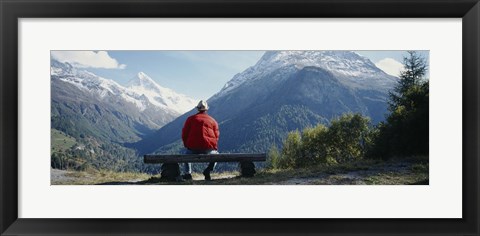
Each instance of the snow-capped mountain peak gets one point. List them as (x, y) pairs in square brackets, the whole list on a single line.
[(142, 90), (347, 63), (142, 79), (142, 84), (142, 75), (351, 67)]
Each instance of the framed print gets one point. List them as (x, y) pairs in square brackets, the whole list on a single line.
[(327, 114)]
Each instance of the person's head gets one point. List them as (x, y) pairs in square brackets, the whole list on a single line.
[(202, 106)]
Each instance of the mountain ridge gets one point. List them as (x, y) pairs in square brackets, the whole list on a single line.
[(84, 103), (282, 92), (353, 67)]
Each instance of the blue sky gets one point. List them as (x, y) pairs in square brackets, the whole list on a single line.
[(198, 74)]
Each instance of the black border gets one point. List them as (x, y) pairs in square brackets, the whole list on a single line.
[(11, 10)]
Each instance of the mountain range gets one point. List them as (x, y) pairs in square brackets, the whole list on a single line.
[(85, 104), (285, 91)]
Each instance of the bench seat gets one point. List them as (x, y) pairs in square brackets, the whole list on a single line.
[(222, 157), (171, 172)]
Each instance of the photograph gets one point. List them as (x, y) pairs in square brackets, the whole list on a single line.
[(239, 117)]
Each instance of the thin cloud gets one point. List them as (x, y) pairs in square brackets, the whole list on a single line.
[(390, 66), (88, 59)]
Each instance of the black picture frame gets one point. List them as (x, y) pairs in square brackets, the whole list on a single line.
[(12, 10)]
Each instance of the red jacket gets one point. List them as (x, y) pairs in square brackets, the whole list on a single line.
[(200, 132)]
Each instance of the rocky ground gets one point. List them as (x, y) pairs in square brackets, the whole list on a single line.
[(361, 173)]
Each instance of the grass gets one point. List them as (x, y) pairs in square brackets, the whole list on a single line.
[(396, 179), (233, 178), (364, 172), (93, 177), (60, 141)]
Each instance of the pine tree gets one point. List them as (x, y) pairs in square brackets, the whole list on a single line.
[(405, 132), (415, 68)]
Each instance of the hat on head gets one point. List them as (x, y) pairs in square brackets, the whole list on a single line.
[(202, 106)]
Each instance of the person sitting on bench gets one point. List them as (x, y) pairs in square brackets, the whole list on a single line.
[(200, 136)]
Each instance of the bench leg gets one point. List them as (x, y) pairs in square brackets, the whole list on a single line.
[(247, 169), (170, 172)]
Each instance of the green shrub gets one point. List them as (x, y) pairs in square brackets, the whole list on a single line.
[(273, 158), (345, 140), (314, 147), (348, 137), (291, 150)]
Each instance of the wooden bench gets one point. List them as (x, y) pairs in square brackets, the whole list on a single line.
[(171, 169)]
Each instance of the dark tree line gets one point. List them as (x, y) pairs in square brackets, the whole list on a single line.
[(405, 131)]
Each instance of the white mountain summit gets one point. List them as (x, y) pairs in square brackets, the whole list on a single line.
[(351, 68), (159, 96), (142, 90)]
